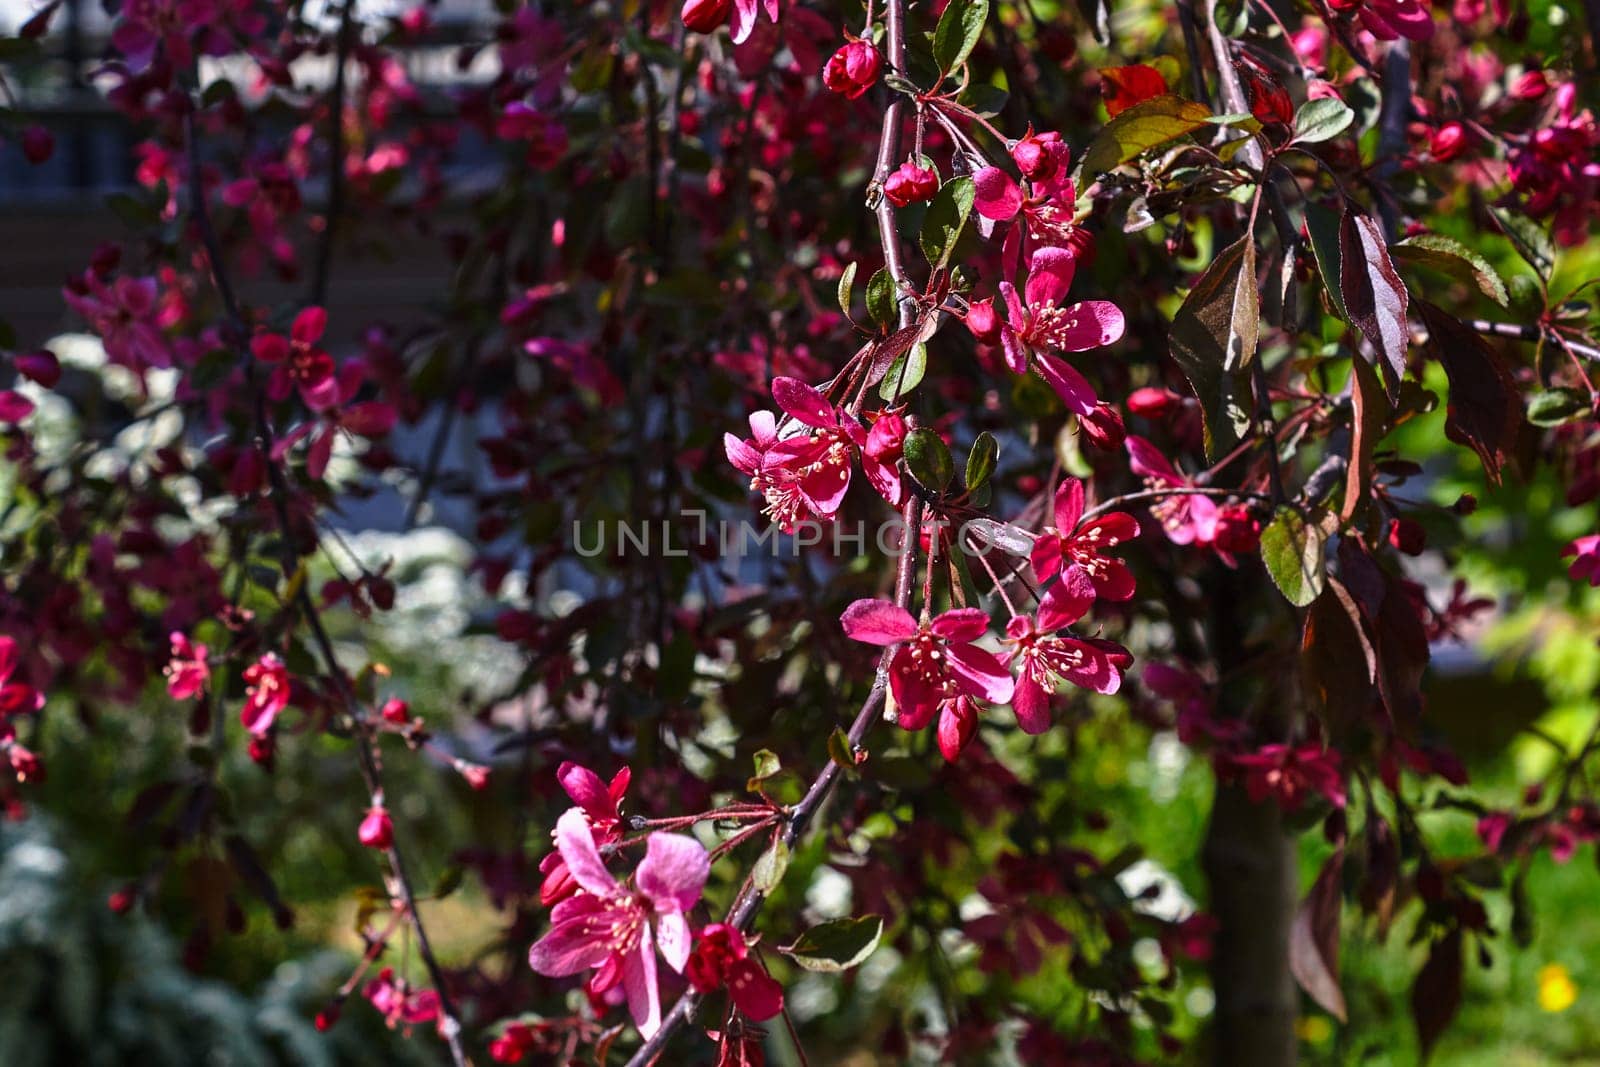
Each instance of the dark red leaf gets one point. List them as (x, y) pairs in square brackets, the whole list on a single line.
[(1314, 939), (1374, 295), (1485, 406), (1436, 997)]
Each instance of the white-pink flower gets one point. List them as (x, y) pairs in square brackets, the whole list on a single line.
[(616, 930)]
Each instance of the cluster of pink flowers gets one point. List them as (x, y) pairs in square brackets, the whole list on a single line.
[(1557, 170), (938, 667), (17, 697), (802, 464)]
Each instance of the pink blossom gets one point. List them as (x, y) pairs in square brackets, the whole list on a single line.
[(399, 1004), (616, 930), (853, 69), (187, 671), (1586, 565), (937, 660), (600, 802), (1289, 773), (16, 697), (1071, 540), (14, 407), (1186, 518), (722, 958), (267, 694), (298, 362), (805, 465), (126, 315), (1036, 326), (1046, 657)]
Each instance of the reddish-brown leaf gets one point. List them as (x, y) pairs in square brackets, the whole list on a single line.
[(1374, 295), (1371, 416), (1314, 939), (1436, 997), (1485, 407)]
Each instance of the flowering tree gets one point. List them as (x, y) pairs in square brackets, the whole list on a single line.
[(1160, 336)]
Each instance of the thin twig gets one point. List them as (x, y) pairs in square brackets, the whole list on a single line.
[(336, 152), (450, 1025)]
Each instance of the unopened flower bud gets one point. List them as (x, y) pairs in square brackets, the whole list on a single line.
[(704, 16), (911, 184), (853, 69), (1040, 156), (376, 830), (983, 322)]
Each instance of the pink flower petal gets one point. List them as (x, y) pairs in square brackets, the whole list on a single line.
[(1096, 323), (673, 872), (997, 195), (587, 790), (803, 402), (984, 675), (1073, 388), (878, 622), (961, 624), (1050, 275), (672, 934), (639, 982), (755, 992), (14, 407), (1069, 506), (1068, 600), (576, 843), (8, 658), (308, 325), (1094, 670), (574, 942), (1031, 703), (744, 21)]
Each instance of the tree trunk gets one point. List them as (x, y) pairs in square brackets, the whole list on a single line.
[(1249, 861)]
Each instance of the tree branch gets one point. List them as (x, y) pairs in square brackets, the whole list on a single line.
[(336, 153), (400, 881)]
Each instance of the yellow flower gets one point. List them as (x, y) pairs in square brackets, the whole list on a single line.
[(1556, 991)]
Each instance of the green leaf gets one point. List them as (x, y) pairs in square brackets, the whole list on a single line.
[(1294, 551), (1449, 256), (1552, 407), (981, 460), (847, 283), (767, 765), (1214, 336), (1140, 128), (928, 459), (904, 374), (881, 303), (958, 31), (1323, 225), (840, 750), (1322, 120), (770, 868), (941, 227), (836, 946), (1529, 239)]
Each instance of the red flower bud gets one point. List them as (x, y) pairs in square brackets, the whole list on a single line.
[(853, 69), (1237, 531), (1448, 141), (911, 184), (1153, 403), (704, 16), (327, 1017), (396, 711), (1040, 156), (1531, 86), (121, 902), (376, 830), (957, 725), (1408, 536), (983, 322), (38, 144), (1103, 427), (41, 366)]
